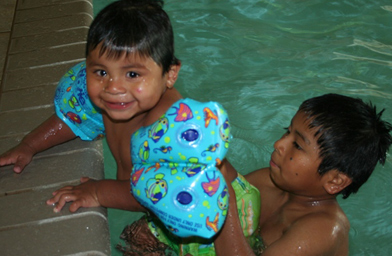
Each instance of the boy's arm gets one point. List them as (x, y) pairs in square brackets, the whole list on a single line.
[(92, 193), (230, 240), (317, 234), (50, 133)]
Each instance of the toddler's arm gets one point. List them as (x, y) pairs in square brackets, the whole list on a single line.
[(92, 193), (50, 133)]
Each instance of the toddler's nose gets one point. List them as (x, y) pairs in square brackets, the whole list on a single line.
[(114, 86)]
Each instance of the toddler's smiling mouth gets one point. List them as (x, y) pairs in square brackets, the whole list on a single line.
[(117, 105)]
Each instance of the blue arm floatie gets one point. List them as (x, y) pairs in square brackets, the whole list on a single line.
[(74, 107), (174, 173)]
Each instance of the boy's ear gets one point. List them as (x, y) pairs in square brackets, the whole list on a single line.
[(172, 75), (336, 181)]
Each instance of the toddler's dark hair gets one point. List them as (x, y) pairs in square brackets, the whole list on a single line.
[(134, 26)]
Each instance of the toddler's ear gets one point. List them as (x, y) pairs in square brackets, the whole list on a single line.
[(336, 182), (172, 75)]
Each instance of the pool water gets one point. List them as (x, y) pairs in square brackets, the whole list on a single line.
[(261, 58)]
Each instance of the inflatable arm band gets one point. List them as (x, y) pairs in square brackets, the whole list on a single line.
[(174, 171)]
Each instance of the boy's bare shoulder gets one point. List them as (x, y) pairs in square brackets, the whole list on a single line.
[(313, 233), (271, 196), (260, 179), (325, 233)]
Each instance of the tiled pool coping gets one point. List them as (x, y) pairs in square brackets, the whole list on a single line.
[(39, 41)]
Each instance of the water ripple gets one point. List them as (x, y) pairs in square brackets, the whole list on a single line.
[(358, 58), (374, 46), (348, 80), (387, 8)]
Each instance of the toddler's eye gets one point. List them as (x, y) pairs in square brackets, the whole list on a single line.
[(132, 74), (101, 73)]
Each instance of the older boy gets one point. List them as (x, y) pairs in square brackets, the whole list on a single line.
[(331, 147)]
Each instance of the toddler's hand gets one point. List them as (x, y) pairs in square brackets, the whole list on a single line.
[(83, 195), (20, 156)]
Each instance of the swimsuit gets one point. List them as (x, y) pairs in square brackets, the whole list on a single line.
[(140, 241), (248, 205)]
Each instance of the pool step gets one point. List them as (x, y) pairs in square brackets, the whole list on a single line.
[(39, 41)]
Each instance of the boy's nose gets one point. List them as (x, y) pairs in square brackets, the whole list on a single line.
[(279, 145), (114, 86)]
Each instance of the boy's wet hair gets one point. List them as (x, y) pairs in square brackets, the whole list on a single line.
[(351, 136), (134, 26)]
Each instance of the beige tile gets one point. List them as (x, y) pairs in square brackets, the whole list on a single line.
[(7, 9), (32, 98), (35, 201), (46, 57), (4, 40), (48, 40), (21, 122), (51, 25), (81, 234), (53, 11), (27, 4), (76, 144), (54, 171), (32, 77)]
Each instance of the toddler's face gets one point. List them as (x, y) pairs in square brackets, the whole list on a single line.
[(295, 161), (126, 86)]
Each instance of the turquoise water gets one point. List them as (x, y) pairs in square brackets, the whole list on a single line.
[(261, 59)]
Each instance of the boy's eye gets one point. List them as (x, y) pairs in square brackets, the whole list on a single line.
[(132, 74), (294, 142), (296, 145), (101, 73)]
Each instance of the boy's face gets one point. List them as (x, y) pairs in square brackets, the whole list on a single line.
[(295, 161), (126, 86)]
